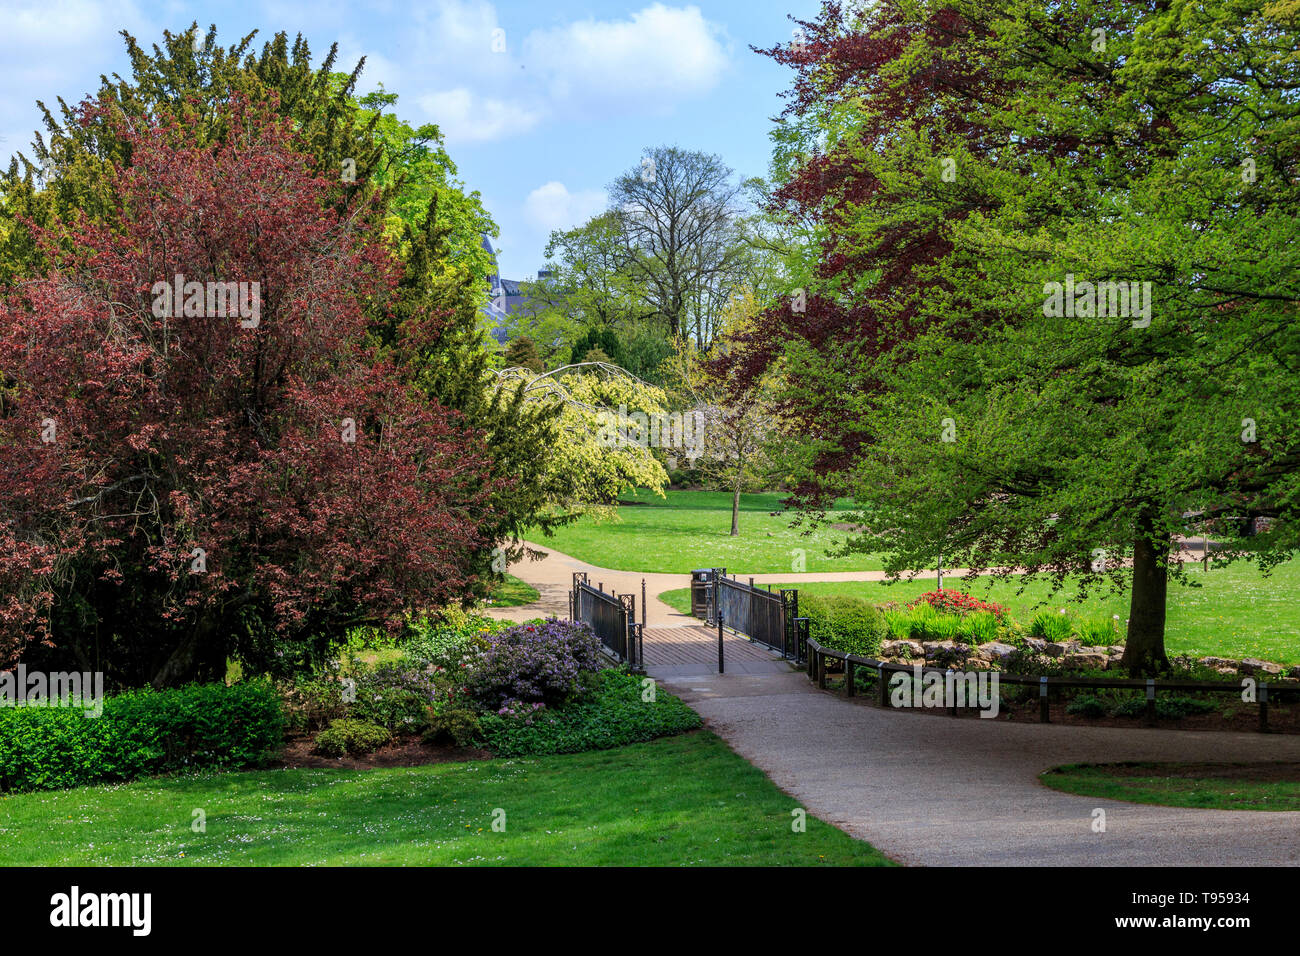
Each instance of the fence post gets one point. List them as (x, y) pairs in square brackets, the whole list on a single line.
[(1151, 702), (880, 679), (952, 704), (1044, 708), (643, 602), (821, 671), (1263, 708), (848, 677), (721, 666)]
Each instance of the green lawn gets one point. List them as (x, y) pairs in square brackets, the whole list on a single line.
[(1203, 786), (513, 593), (679, 801), (692, 529), (1236, 613)]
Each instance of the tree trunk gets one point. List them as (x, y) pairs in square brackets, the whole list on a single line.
[(735, 512), (1144, 649), (200, 656)]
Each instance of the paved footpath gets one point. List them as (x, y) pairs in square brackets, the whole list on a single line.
[(927, 789)]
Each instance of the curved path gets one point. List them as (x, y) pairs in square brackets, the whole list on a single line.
[(931, 790)]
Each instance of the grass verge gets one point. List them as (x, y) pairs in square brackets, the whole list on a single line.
[(678, 801), (1271, 786)]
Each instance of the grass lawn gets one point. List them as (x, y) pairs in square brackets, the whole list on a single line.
[(1236, 613), (1203, 786), (692, 529), (678, 801), (513, 593)]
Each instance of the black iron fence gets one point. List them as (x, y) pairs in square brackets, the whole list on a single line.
[(1048, 687), (611, 616), (764, 616)]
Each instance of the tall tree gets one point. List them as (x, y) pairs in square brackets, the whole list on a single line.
[(227, 468), (975, 174)]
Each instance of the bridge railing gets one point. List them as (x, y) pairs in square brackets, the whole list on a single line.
[(611, 616)]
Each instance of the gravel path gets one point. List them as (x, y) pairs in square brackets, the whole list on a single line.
[(930, 790)]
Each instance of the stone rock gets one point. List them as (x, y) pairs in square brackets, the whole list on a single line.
[(1084, 659), (1035, 644), (1116, 649), (994, 651), (1219, 663), (902, 649), (1294, 673), (1058, 648), (948, 648), (1252, 665)]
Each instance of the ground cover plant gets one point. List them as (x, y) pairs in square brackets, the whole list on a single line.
[(1274, 786), (679, 801)]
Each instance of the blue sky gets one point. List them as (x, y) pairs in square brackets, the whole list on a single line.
[(540, 128)]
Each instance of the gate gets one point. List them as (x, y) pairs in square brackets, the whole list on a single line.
[(611, 616), (766, 617)]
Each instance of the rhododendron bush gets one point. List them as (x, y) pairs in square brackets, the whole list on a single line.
[(183, 487)]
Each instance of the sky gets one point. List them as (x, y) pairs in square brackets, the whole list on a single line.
[(542, 102)]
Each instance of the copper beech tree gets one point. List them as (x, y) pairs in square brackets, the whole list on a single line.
[(185, 481)]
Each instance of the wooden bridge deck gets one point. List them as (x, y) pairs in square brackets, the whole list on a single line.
[(693, 649)]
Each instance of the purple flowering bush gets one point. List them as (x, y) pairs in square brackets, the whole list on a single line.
[(532, 664)]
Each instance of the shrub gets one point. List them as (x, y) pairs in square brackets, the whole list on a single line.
[(979, 627), (1168, 708), (1051, 626), (394, 696), (612, 714), (952, 601), (845, 623), (310, 703), (1097, 631), (141, 732), (457, 723), (445, 642), (349, 736), (533, 663), (1087, 705)]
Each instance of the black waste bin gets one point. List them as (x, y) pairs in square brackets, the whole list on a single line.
[(701, 586)]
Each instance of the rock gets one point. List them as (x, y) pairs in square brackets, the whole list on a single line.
[(1218, 663), (1294, 673), (994, 651), (1084, 659), (1058, 649), (902, 649), (1116, 649), (1035, 644), (947, 648), (1252, 665)]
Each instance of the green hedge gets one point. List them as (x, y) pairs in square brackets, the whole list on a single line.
[(844, 623), (611, 714), (140, 732)]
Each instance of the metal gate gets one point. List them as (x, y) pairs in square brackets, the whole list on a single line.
[(611, 616), (764, 616)]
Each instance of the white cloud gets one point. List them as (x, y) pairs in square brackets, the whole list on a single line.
[(660, 55), (465, 117), (552, 206)]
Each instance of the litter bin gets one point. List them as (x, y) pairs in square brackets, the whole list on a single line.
[(701, 585)]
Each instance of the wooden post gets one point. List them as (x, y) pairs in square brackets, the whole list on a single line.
[(821, 671), (1151, 702), (1263, 708), (952, 704), (882, 690), (848, 677), (1044, 708)]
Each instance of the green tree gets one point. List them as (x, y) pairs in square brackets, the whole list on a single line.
[(982, 161)]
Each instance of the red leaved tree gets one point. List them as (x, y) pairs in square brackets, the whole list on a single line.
[(234, 471)]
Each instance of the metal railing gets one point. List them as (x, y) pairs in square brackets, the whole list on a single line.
[(764, 616), (818, 655), (611, 616)]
